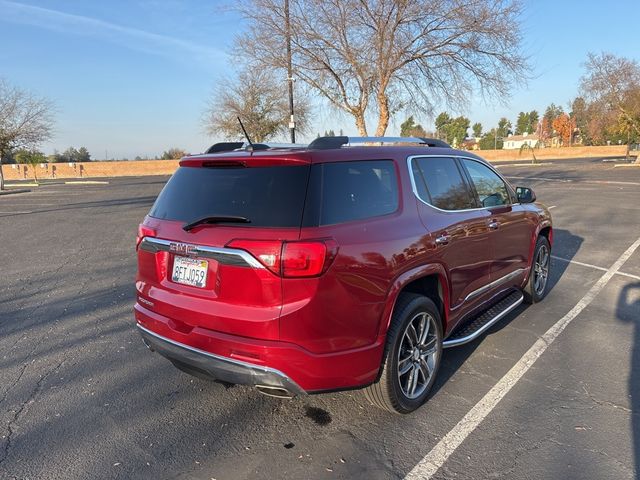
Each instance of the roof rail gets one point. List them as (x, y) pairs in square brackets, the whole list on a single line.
[(328, 143)]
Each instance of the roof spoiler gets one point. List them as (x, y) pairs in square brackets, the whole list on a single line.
[(231, 146), (329, 143)]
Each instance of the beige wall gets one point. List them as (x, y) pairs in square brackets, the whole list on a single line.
[(547, 153), (167, 167), (92, 169)]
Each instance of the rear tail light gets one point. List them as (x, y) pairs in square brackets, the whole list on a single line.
[(144, 231), (303, 259), (268, 252), (291, 259)]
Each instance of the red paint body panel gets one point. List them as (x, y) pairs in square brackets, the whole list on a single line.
[(327, 332)]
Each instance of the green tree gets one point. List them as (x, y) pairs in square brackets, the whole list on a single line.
[(70, 155), (442, 120), (8, 158), (409, 128), (522, 123), (453, 130), (488, 141), (83, 155), (477, 130), (534, 119), (458, 130), (33, 158), (580, 113), (504, 127), (550, 114)]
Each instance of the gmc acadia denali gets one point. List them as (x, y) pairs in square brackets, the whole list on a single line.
[(347, 263)]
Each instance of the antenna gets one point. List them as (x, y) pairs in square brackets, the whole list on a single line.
[(246, 135)]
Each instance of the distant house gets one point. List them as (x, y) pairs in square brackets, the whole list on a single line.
[(515, 142), (471, 143)]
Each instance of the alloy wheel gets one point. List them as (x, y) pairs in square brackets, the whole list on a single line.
[(417, 355), (541, 270)]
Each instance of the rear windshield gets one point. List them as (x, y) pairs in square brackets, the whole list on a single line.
[(268, 196)]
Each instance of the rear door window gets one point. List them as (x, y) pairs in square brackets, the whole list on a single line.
[(347, 191), (439, 182), (268, 196)]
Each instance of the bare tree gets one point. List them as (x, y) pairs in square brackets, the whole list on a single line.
[(25, 120), (394, 54), (612, 85), (260, 102)]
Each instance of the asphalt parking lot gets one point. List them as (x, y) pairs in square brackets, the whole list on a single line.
[(81, 397)]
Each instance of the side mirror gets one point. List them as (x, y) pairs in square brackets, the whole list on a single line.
[(525, 195)]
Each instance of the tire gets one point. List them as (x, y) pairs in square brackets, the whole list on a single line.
[(537, 285), (394, 391)]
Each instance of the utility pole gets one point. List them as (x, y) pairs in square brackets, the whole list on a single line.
[(292, 121)]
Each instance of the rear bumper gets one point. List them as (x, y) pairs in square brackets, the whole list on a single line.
[(249, 361), (218, 367)]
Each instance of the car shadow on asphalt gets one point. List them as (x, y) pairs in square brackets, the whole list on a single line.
[(565, 245), (628, 311)]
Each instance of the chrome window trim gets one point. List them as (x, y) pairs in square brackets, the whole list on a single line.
[(495, 283), (410, 158), (226, 256)]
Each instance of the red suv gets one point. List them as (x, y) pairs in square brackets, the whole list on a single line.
[(335, 266)]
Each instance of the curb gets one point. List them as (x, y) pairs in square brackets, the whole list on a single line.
[(637, 165), (86, 182), (11, 192), (524, 164)]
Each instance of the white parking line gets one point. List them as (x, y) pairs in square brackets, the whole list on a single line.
[(575, 262), (439, 454), (552, 206), (569, 180)]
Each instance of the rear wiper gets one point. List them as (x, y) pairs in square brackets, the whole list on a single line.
[(215, 219)]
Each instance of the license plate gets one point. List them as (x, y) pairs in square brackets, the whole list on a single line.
[(190, 271)]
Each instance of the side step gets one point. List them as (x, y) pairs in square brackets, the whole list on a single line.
[(476, 327)]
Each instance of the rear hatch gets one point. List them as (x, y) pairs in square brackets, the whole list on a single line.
[(210, 250)]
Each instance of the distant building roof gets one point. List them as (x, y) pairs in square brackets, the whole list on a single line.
[(519, 138)]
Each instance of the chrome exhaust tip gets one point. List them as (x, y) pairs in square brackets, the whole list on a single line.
[(146, 344), (277, 392)]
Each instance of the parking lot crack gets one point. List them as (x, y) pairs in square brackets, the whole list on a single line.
[(21, 409), (607, 403)]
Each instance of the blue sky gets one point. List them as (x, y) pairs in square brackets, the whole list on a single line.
[(132, 77)]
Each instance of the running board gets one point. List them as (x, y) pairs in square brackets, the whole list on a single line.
[(473, 329)]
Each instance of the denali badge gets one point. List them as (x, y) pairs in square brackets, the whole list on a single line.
[(183, 248)]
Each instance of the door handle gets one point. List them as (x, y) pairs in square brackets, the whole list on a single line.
[(443, 239), (494, 224)]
